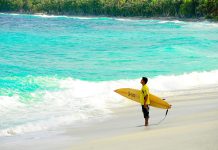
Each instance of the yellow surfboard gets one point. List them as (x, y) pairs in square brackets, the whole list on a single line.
[(134, 95)]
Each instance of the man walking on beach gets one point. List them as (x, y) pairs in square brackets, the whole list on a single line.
[(144, 99)]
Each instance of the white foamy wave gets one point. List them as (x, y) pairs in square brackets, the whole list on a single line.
[(84, 18), (48, 16), (202, 25), (73, 17), (54, 110), (41, 15), (171, 21), (39, 125), (125, 19), (14, 14), (75, 100), (157, 84), (192, 24), (63, 16), (185, 81)]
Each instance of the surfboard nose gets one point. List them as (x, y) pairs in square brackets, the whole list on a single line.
[(117, 91)]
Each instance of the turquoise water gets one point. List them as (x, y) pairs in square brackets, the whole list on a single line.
[(98, 49), (43, 56)]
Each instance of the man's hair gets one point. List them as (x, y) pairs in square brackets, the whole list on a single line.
[(145, 79)]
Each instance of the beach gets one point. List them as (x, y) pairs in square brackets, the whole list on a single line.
[(58, 76), (190, 124)]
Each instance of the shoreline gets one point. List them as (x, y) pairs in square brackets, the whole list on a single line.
[(191, 121), (200, 19)]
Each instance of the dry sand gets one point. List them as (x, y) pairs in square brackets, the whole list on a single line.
[(192, 124)]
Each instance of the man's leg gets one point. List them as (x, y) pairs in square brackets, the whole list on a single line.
[(146, 121), (146, 114)]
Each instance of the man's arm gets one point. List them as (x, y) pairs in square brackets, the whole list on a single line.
[(145, 103)]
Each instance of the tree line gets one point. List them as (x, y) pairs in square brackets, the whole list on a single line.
[(124, 8)]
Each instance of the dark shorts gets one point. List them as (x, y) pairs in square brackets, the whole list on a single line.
[(145, 112)]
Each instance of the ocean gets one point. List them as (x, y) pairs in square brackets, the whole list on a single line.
[(56, 70)]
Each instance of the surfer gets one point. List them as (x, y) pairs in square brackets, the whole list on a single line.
[(144, 99)]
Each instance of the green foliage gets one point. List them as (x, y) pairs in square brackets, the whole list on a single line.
[(148, 8)]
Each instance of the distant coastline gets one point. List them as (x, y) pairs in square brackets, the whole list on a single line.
[(146, 9), (121, 17)]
